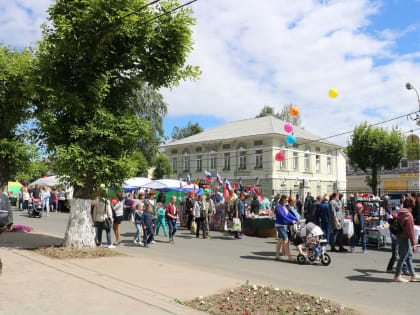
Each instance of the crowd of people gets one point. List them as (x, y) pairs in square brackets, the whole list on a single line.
[(51, 199), (151, 215)]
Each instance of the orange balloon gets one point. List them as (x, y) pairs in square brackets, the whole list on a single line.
[(294, 111)]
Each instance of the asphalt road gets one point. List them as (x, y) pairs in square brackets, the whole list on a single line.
[(356, 280)]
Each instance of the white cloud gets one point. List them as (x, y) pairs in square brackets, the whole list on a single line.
[(254, 53), (277, 52)]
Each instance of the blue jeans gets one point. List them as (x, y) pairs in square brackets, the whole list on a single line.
[(395, 254), (406, 255), (172, 228), (357, 236), (99, 228), (20, 205), (46, 205), (139, 228), (148, 235), (326, 230), (337, 237)]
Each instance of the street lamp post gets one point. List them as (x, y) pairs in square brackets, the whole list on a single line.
[(414, 117), (409, 86)]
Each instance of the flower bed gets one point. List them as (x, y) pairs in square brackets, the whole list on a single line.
[(71, 253), (21, 228), (253, 299)]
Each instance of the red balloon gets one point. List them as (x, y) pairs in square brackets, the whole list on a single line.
[(280, 156)]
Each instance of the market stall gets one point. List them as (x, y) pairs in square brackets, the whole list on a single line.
[(385, 232), (260, 225)]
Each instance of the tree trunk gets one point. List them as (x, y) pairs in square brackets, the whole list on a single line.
[(80, 232), (4, 174), (374, 181)]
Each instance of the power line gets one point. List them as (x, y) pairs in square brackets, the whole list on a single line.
[(140, 9), (168, 12)]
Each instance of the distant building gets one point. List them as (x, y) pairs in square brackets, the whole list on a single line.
[(244, 152), (401, 179)]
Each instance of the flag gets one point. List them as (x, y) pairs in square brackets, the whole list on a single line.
[(254, 190), (218, 178), (189, 179), (227, 184), (208, 176), (180, 184)]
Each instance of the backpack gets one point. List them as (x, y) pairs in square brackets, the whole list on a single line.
[(394, 226)]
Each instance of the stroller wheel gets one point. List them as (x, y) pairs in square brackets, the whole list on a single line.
[(326, 259), (301, 259)]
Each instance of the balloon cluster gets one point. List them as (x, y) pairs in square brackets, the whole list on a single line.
[(288, 127)]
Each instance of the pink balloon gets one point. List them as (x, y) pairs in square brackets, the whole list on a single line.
[(280, 156), (288, 127)]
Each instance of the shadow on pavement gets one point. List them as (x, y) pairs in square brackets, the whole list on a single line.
[(265, 254), (28, 240), (226, 238), (366, 276)]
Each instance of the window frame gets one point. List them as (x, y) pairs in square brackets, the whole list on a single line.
[(186, 162), (295, 159), (318, 163), (199, 163), (226, 158), (259, 159)]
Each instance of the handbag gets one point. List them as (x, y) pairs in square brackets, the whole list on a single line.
[(237, 227), (193, 227)]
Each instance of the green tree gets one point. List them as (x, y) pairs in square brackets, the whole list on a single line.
[(149, 104), (284, 114), (413, 148), (370, 149), (34, 170), (189, 130), (15, 109), (139, 165), (91, 59), (162, 167)]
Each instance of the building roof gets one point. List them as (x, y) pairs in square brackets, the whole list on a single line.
[(267, 125)]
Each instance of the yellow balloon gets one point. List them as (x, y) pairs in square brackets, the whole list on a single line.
[(333, 93)]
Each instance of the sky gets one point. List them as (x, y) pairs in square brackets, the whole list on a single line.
[(276, 52)]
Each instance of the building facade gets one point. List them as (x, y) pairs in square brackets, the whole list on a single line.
[(245, 153), (401, 179)]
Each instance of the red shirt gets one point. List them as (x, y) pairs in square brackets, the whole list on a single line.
[(171, 210)]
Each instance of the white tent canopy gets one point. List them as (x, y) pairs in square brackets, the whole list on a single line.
[(136, 182), (51, 181)]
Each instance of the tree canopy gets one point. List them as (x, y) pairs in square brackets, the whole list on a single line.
[(162, 167), (15, 108), (189, 130), (284, 114), (91, 59), (370, 149)]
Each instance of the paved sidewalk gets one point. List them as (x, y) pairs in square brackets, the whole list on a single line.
[(34, 284)]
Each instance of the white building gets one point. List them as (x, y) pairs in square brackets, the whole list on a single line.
[(244, 152)]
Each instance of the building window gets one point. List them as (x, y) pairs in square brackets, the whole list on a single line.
[(213, 161), (318, 163), (198, 149), (174, 164), (186, 162), (242, 159), (329, 166), (226, 160), (226, 146), (317, 149), (258, 142), (307, 162), (259, 159), (295, 160), (199, 163), (404, 163)]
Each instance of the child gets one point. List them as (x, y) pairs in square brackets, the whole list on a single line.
[(359, 228), (160, 219), (139, 223), (148, 225)]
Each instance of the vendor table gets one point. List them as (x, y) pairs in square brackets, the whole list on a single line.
[(262, 226), (384, 230)]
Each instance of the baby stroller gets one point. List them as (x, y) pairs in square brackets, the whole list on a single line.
[(315, 246), (34, 208)]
